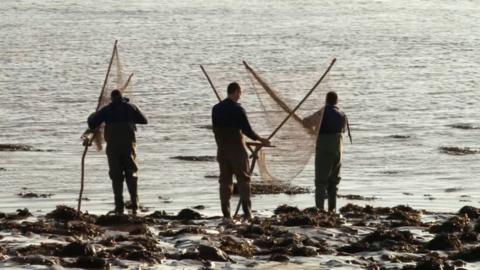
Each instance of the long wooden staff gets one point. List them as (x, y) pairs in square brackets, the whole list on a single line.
[(211, 83), (257, 148), (89, 136)]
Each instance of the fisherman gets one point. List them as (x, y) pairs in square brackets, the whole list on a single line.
[(229, 123), (329, 123), (120, 118)]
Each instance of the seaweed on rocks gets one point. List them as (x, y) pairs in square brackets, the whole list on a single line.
[(274, 188), (453, 224), (46, 249), (393, 240), (286, 209), (10, 147), (445, 241), (136, 252), (186, 230), (433, 262), (404, 218), (20, 214), (64, 213), (458, 151), (238, 247), (35, 260), (195, 158), (356, 197), (470, 211), (292, 216), (27, 195)]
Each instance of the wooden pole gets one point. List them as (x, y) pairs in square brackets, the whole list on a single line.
[(87, 138), (211, 83)]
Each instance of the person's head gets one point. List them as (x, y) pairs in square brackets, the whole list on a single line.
[(116, 95), (331, 98), (234, 91)]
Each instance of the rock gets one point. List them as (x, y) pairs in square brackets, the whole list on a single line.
[(144, 256), (279, 258), (212, 254), (444, 242), (469, 254), (469, 237), (433, 263), (188, 214), (76, 249), (91, 263), (470, 211), (285, 209), (46, 249), (119, 220), (139, 229), (199, 207), (35, 260), (304, 251), (21, 214)]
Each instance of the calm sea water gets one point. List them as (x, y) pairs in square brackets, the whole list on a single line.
[(404, 68)]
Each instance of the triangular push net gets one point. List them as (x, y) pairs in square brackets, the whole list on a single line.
[(116, 78), (294, 143)]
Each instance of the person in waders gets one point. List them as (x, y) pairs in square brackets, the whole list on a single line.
[(329, 123), (230, 123), (120, 118)]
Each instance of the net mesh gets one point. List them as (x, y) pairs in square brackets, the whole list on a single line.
[(116, 78), (293, 143)]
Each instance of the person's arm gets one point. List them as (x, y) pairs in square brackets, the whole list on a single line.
[(245, 126), (138, 116), (96, 119)]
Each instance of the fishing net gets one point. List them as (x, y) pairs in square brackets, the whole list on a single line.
[(293, 143), (116, 78)]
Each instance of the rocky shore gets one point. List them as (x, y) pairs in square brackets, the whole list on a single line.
[(357, 237)]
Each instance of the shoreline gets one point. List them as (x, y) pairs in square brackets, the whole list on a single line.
[(367, 237)]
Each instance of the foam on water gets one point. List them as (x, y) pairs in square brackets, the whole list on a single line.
[(406, 69)]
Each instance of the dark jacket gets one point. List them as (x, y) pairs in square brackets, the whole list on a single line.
[(229, 121), (333, 121), (120, 118)]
